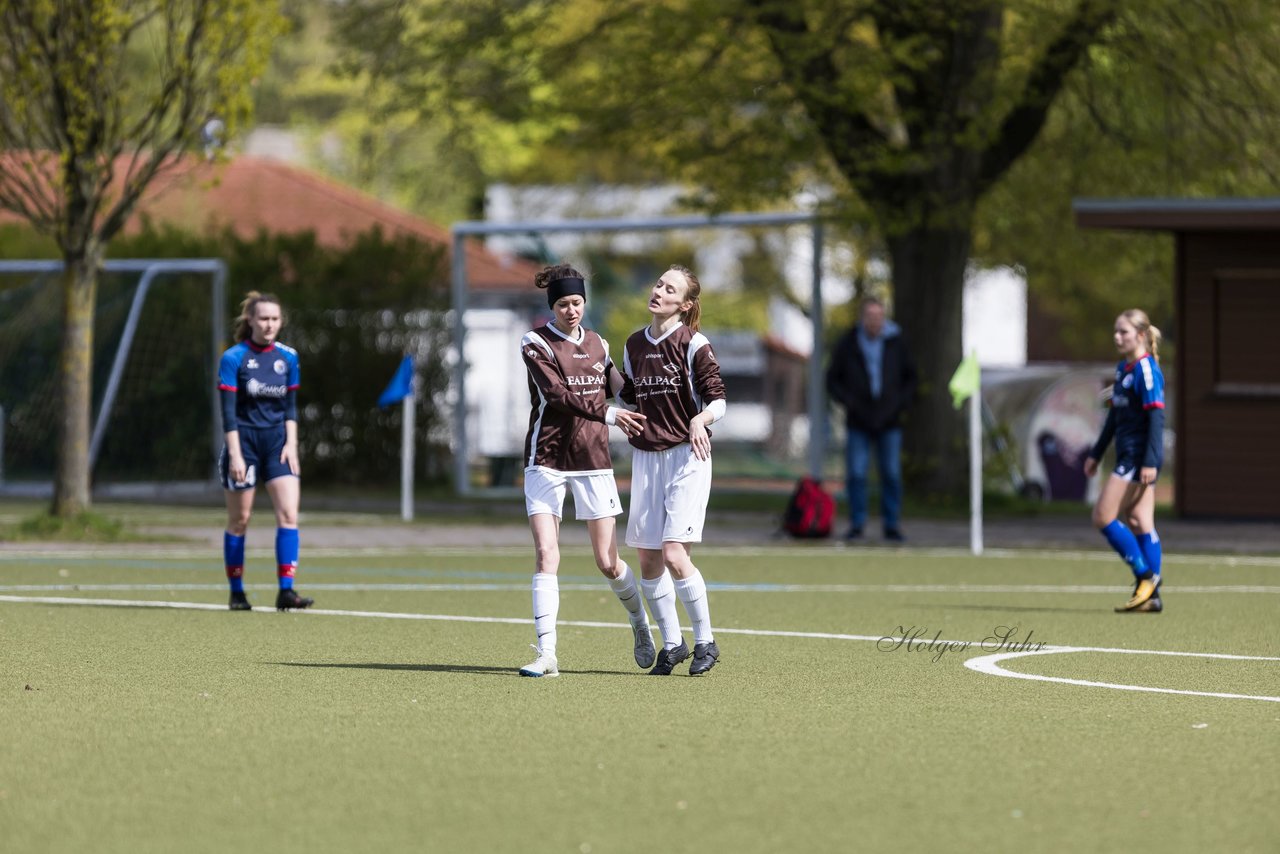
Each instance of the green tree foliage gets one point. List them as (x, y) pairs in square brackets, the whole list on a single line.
[(356, 127), (96, 101), (1169, 108), (352, 312), (906, 114)]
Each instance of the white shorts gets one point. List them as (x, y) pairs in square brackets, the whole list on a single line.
[(669, 492), (595, 494)]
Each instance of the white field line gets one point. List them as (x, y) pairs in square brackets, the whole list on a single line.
[(988, 664), (764, 587), (816, 553)]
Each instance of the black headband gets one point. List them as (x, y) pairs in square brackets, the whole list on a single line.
[(565, 287)]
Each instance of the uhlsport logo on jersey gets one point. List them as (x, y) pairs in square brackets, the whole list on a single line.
[(598, 367), (261, 389), (671, 368)]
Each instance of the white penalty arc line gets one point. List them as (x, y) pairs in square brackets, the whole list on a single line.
[(988, 664)]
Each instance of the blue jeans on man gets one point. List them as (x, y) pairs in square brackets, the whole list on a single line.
[(888, 451)]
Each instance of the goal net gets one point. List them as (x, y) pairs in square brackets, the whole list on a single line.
[(760, 279), (152, 413)]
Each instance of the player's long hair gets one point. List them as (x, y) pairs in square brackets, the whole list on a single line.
[(544, 277), (243, 330), (693, 317), (1142, 325)]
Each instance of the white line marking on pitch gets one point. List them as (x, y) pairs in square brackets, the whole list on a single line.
[(817, 552), (988, 664), (764, 587)]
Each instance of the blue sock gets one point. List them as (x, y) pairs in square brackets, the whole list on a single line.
[(1126, 545), (233, 560), (286, 556), (1152, 551)]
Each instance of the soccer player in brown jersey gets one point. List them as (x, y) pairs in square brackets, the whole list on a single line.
[(570, 376), (673, 379)]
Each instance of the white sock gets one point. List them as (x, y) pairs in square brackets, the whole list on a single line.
[(546, 606), (692, 591), (624, 586), (661, 596)]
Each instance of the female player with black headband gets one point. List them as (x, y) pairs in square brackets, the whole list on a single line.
[(570, 376)]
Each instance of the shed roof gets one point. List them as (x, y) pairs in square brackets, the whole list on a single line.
[(1261, 214)]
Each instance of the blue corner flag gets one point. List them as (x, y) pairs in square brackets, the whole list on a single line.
[(401, 385)]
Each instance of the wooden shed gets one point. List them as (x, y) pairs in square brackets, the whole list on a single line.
[(1227, 297)]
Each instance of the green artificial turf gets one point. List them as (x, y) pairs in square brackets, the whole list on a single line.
[(146, 729)]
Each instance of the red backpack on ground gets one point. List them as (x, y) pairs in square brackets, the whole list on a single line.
[(810, 511)]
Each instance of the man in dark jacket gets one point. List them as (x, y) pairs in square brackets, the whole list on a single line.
[(873, 376)]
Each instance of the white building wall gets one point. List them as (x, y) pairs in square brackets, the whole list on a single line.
[(995, 317)]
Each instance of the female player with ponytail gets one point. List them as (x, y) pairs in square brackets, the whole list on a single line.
[(567, 447), (258, 381), (673, 379), (1125, 510)]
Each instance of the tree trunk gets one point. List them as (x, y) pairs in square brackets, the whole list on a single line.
[(928, 302), (75, 379)]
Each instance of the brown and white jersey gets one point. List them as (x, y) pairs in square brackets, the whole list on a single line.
[(669, 380), (568, 384)]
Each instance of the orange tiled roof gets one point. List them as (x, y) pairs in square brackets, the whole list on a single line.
[(254, 193)]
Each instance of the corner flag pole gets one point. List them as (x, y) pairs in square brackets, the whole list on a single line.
[(403, 388), (975, 471), (966, 382), (406, 456)]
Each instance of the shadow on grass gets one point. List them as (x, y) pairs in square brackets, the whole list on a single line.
[(439, 668), (1006, 609)]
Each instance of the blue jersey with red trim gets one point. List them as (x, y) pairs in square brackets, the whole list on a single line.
[(1138, 389), (264, 380), (1137, 394)]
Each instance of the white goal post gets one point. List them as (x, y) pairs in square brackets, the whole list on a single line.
[(816, 393), (150, 269)]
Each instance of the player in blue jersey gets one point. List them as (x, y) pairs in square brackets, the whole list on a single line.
[(258, 380), (1126, 508)]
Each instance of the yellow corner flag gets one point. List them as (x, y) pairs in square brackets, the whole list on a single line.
[(966, 381)]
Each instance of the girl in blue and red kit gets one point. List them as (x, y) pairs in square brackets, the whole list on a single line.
[(258, 379), (1136, 420)]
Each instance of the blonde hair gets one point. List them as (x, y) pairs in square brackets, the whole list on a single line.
[(693, 317), (243, 329), (1142, 325)]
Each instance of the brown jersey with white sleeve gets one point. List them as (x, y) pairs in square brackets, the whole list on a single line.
[(568, 383), (669, 380)]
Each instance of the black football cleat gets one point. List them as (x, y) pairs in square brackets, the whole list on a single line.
[(289, 600), (669, 658), (239, 602), (705, 656), (644, 651)]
